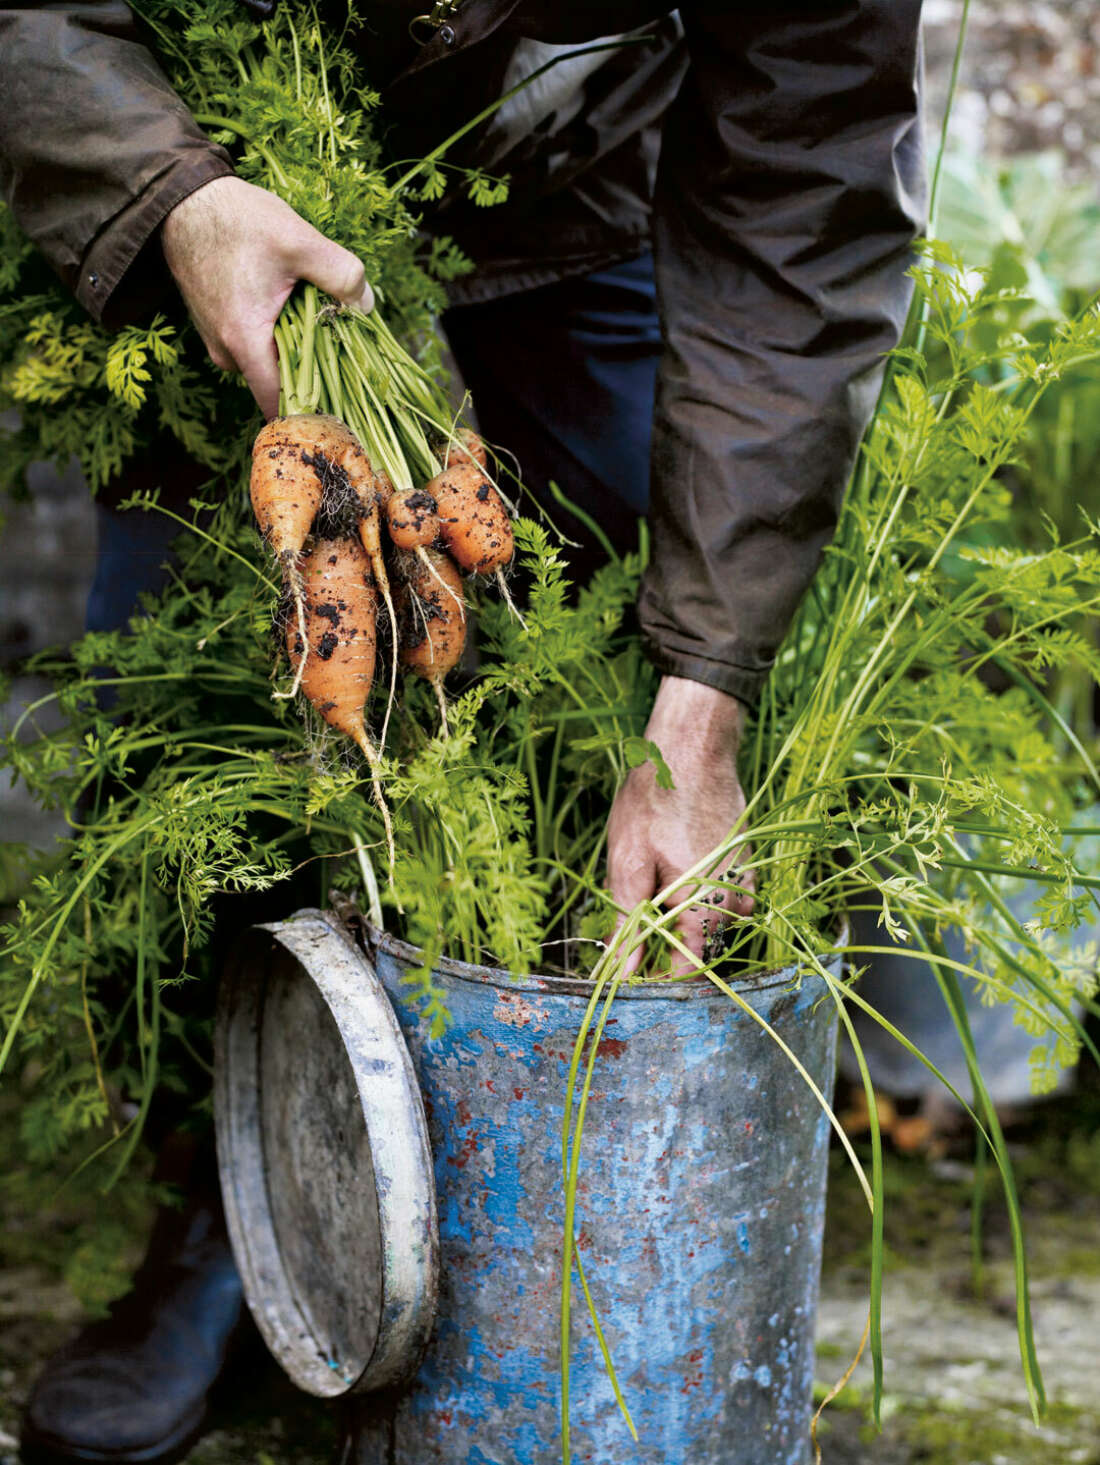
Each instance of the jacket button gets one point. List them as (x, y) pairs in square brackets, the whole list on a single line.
[(447, 34), (93, 279)]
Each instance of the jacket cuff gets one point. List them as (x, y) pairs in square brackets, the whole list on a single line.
[(736, 681), (118, 245)]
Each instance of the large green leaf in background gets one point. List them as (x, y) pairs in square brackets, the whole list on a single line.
[(1035, 232), (1024, 219)]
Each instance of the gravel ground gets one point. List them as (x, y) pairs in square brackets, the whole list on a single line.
[(953, 1385)]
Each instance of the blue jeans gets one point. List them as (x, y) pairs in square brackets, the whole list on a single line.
[(562, 376), (132, 559)]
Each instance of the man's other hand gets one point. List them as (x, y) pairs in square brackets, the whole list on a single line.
[(236, 252), (655, 834)]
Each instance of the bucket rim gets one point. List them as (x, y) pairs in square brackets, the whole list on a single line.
[(389, 1106), (661, 989)]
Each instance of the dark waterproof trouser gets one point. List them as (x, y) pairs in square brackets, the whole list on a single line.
[(562, 376)]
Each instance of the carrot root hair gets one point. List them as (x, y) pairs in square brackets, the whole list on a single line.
[(391, 698), (436, 681), (441, 700), (502, 586), (292, 576), (424, 558), (370, 753), (370, 538)]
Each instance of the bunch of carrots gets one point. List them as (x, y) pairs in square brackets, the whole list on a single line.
[(368, 496)]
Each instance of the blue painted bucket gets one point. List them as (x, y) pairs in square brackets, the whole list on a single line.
[(699, 1222)]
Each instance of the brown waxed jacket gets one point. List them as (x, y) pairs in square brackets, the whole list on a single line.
[(788, 191)]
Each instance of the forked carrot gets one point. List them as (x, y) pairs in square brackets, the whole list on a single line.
[(373, 490), (335, 658), (291, 460), (432, 615)]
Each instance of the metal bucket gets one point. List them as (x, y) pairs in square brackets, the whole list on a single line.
[(699, 1222)]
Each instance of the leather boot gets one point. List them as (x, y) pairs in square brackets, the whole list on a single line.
[(136, 1386)]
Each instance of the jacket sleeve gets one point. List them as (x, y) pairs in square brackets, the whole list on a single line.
[(790, 189), (95, 147)]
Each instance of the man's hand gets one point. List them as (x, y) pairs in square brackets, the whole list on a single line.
[(236, 252), (655, 834)]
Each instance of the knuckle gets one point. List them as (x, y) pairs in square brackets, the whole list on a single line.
[(354, 278)]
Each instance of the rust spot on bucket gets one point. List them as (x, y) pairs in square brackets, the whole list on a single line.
[(517, 1012), (469, 1147)]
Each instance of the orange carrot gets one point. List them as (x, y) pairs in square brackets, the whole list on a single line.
[(335, 658), (340, 631), (432, 616), (292, 461), (473, 521), (467, 446), (412, 519), (372, 490), (383, 487)]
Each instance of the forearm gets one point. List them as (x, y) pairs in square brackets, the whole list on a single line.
[(95, 147)]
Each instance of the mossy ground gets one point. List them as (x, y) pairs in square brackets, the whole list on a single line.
[(953, 1389)]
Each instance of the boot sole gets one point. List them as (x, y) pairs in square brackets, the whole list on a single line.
[(36, 1449)]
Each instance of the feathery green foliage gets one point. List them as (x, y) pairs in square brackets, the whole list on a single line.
[(202, 785), (886, 767)]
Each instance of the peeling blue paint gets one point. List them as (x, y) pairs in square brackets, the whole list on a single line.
[(692, 1177)]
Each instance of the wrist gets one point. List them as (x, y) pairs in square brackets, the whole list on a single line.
[(197, 206), (684, 709)]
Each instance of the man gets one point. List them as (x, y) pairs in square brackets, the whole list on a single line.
[(769, 153)]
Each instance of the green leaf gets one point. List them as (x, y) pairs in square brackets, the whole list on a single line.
[(434, 185), (637, 751)]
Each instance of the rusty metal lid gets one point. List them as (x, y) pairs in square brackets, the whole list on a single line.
[(325, 1164)]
